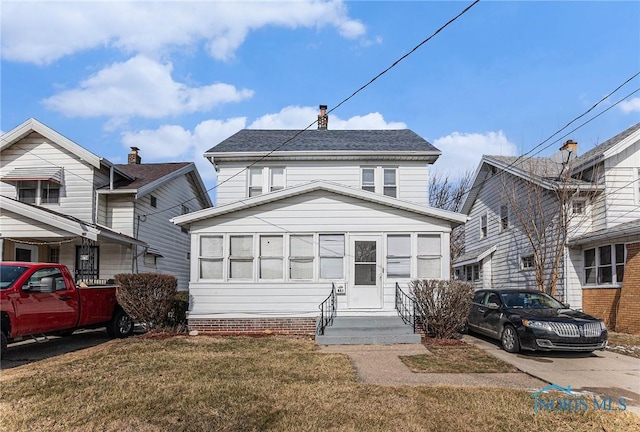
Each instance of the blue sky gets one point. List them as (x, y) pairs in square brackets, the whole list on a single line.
[(176, 78)]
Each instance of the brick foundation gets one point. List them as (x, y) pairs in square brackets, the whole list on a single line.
[(254, 326), (629, 309), (602, 303)]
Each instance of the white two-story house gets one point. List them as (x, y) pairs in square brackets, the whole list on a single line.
[(598, 269), (61, 203), (300, 212)]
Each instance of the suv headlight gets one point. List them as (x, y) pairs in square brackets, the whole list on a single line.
[(541, 325), (603, 326)]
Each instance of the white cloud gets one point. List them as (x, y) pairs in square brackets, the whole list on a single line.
[(41, 32), (632, 105), (296, 117), (174, 143), (461, 152), (140, 87)]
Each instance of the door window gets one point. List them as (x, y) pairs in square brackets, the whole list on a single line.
[(365, 262)]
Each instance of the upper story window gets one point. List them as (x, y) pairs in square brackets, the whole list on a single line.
[(527, 262), (483, 226), (578, 206), (604, 264), (153, 201), (38, 192), (390, 182), (265, 179), (382, 180), (504, 217), (369, 179)]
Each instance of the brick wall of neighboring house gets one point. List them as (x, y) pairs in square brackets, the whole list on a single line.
[(628, 320), (254, 326), (602, 303)]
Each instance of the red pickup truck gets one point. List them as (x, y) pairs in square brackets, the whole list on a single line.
[(43, 299)]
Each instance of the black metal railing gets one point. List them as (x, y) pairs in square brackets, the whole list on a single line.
[(327, 311), (406, 307)]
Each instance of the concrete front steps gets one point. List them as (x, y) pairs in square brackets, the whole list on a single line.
[(368, 330)]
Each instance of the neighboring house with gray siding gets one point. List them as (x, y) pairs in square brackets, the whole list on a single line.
[(301, 211), (62, 203), (603, 226)]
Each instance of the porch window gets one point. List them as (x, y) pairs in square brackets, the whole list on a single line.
[(301, 257), (241, 257), (590, 266), (399, 256), (429, 256), (390, 182), (604, 264), (255, 182), (271, 257), (211, 257), (369, 179), (331, 256)]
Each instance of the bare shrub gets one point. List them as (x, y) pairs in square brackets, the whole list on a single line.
[(148, 298), (443, 305)]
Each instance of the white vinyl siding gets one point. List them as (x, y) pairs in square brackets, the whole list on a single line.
[(412, 177)]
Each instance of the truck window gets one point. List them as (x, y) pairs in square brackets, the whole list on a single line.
[(10, 274), (36, 277)]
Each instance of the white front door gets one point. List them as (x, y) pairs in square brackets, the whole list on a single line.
[(365, 290)]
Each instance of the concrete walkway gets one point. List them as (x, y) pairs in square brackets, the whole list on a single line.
[(381, 365)]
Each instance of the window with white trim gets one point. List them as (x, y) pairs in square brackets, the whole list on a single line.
[(277, 179), (604, 265), (331, 256), (504, 217), (271, 257), (255, 182), (241, 257), (527, 262), (390, 187), (483, 226), (472, 272), (211, 259), (368, 179), (49, 192), (301, 256), (398, 256), (578, 206), (429, 256), (27, 191)]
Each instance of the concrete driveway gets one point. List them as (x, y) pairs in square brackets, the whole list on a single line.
[(601, 372)]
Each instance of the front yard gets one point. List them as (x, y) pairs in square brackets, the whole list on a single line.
[(623, 343), (253, 384)]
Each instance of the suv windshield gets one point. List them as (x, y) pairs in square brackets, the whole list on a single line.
[(528, 300), (9, 274)]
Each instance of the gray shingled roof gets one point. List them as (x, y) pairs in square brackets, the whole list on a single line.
[(596, 153), (626, 229), (258, 140), (146, 173)]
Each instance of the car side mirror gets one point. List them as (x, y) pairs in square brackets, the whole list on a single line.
[(566, 305), (493, 306), (46, 285)]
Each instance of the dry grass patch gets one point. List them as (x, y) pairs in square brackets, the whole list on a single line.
[(623, 343), (456, 358), (249, 384)]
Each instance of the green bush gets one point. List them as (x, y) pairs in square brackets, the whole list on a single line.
[(443, 305), (150, 299)]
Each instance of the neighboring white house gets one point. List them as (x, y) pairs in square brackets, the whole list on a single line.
[(61, 203), (596, 272), (300, 212)]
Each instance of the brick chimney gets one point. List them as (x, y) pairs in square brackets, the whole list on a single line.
[(323, 118), (134, 157), (570, 145)]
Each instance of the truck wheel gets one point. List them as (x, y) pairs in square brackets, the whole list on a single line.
[(3, 344), (121, 324)]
